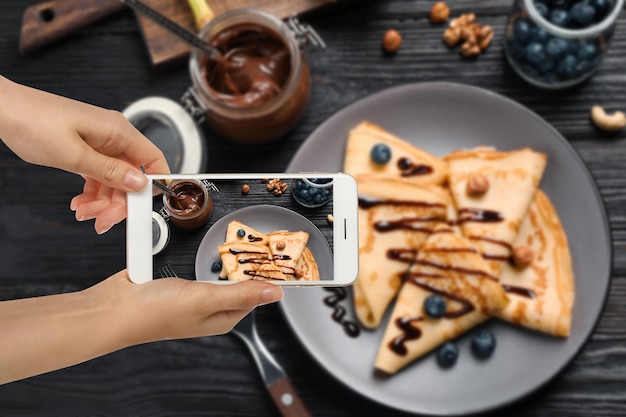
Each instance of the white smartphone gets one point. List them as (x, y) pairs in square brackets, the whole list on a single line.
[(290, 229)]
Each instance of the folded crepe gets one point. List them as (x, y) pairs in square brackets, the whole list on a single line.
[(244, 261), (287, 248), (395, 218), (449, 266), (542, 293), (251, 236), (491, 220), (307, 267), (407, 161)]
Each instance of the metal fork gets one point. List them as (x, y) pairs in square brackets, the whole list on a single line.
[(276, 381), (278, 384)]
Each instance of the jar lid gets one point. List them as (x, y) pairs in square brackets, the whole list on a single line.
[(168, 125), (160, 233)]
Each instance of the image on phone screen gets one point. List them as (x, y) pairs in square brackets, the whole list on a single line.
[(214, 229)]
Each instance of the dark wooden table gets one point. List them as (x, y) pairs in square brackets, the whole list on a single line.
[(44, 251)]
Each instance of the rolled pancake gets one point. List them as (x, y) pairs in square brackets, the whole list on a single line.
[(407, 161), (395, 218), (542, 294), (447, 265), (492, 220)]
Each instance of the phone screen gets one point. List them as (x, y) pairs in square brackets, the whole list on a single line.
[(214, 229)]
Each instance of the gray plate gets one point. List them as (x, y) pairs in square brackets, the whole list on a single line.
[(441, 117), (265, 218)]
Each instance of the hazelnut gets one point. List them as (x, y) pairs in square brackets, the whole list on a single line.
[(452, 36), (330, 218), (392, 41), (439, 13), (245, 189), (299, 273), (477, 185), (522, 256), (280, 245)]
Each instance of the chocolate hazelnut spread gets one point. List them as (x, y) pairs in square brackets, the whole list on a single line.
[(188, 198), (254, 69), (192, 205), (259, 91)]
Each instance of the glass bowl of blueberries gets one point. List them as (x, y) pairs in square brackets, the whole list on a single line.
[(559, 43), (312, 192)]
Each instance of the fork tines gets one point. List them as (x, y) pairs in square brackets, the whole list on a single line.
[(167, 272)]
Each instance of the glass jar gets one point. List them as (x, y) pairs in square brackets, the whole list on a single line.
[(312, 192), (238, 120), (547, 45), (192, 205)]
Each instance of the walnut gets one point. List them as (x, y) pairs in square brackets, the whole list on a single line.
[(245, 189), (470, 49), (452, 36), (392, 41), (477, 185), (276, 186), (484, 37), (522, 256), (280, 245), (439, 13)]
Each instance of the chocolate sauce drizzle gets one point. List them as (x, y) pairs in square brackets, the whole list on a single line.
[(351, 328), (402, 255), (469, 214), (411, 224), (368, 202), (524, 292), (253, 238), (408, 333), (262, 259), (409, 168)]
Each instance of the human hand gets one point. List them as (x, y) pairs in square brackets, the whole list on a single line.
[(174, 308), (42, 334), (99, 144)]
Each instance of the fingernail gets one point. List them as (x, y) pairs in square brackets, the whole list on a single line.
[(135, 180), (271, 295), (104, 230)]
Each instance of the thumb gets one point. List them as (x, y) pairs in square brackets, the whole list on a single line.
[(112, 171), (245, 295)]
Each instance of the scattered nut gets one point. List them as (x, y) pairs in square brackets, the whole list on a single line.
[(439, 13), (476, 37), (392, 41), (452, 36), (470, 49), (245, 189), (264, 180), (477, 185), (280, 245), (276, 186), (522, 256), (484, 37), (299, 273), (609, 122), (330, 218)]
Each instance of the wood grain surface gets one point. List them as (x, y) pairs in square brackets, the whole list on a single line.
[(45, 251)]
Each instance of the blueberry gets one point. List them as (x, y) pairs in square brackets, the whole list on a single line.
[(582, 14), (574, 46), (447, 355), (483, 343), (566, 67), (241, 233), (522, 30), (530, 71), (540, 35), (216, 266), (545, 66), (542, 9), (299, 185), (435, 306), (556, 47), (559, 17), (535, 53), (587, 52), (380, 153), (603, 7)]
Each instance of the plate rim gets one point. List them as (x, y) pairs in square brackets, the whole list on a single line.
[(404, 89)]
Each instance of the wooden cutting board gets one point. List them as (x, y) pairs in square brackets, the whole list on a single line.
[(46, 22)]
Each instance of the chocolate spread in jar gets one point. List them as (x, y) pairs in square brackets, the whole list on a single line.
[(190, 207), (254, 68)]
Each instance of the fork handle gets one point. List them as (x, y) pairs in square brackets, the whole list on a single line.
[(287, 399)]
